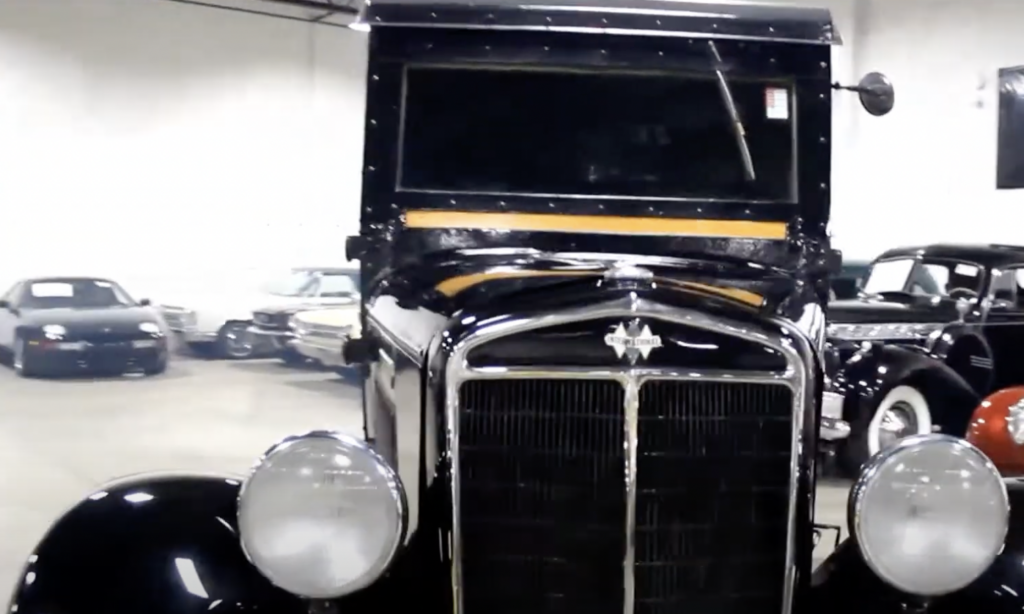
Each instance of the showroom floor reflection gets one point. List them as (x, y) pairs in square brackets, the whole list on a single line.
[(61, 438)]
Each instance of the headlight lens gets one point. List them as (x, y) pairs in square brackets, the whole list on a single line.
[(54, 330), (880, 332), (930, 514), (322, 515), (150, 327)]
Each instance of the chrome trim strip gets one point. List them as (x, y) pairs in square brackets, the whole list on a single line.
[(631, 405), (793, 343)]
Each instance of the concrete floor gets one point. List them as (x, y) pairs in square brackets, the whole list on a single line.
[(60, 439)]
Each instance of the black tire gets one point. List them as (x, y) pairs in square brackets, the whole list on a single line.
[(235, 342), (160, 366), (19, 362)]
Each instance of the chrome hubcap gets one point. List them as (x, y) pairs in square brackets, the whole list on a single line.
[(238, 342), (897, 422)]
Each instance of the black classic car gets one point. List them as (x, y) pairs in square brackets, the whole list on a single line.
[(60, 325), (595, 267), (936, 328)]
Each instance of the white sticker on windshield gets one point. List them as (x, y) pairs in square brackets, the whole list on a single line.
[(967, 270), (776, 103), (52, 290)]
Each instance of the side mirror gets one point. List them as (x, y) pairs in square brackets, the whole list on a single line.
[(876, 93), (145, 302)]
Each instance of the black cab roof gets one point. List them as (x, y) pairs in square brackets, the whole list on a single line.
[(987, 255), (693, 18)]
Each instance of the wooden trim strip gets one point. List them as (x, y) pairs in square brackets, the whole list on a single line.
[(598, 224)]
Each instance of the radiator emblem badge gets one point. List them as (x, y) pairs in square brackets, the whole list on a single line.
[(632, 341)]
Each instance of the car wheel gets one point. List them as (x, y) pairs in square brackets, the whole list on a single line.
[(903, 412), (19, 361), (156, 368), (235, 341)]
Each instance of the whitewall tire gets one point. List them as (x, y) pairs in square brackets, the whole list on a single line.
[(904, 411)]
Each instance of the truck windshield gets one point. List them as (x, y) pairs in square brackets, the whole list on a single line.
[(560, 132)]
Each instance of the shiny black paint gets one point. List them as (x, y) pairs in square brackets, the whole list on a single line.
[(871, 373), (384, 242), (844, 584), (111, 555), (718, 20), (985, 255)]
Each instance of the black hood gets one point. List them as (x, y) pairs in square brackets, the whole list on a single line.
[(894, 308), (117, 319)]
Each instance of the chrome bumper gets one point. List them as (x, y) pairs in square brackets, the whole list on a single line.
[(192, 335), (323, 350), (277, 338), (833, 427)]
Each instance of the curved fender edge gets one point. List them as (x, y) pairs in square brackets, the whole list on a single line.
[(157, 544), (866, 378), (844, 584)]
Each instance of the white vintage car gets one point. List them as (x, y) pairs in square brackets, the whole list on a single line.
[(320, 334), (223, 322)]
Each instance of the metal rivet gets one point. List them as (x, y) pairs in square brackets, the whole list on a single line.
[(771, 29), (373, 122), (376, 77), (547, 48), (433, 15), (370, 168), (772, 61), (822, 139), (548, 19), (821, 95), (604, 52), (604, 21), (824, 186), (552, 205), (452, 201), (661, 53), (824, 64), (487, 47), (657, 21), (714, 26)]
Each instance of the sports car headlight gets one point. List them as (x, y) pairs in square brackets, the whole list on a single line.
[(322, 515), (930, 514), (150, 327), (54, 330), (882, 332)]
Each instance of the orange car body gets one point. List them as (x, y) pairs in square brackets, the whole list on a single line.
[(988, 430)]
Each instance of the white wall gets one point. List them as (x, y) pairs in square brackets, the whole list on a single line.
[(926, 172), (169, 145), (157, 142)]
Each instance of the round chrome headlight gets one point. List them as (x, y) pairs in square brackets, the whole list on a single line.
[(930, 514), (322, 515)]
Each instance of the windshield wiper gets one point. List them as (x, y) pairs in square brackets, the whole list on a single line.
[(734, 115)]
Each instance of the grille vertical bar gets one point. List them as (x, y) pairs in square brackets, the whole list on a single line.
[(713, 497), (541, 466)]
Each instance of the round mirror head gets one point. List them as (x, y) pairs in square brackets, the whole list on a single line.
[(877, 95)]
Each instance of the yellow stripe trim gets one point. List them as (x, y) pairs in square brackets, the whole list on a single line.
[(606, 224), (454, 285)]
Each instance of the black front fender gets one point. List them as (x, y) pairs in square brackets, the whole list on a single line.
[(870, 374), (844, 584), (159, 545)]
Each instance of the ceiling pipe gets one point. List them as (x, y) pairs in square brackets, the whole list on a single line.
[(339, 13)]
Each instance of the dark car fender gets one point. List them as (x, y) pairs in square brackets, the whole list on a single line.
[(156, 544), (168, 544), (844, 584), (871, 373)]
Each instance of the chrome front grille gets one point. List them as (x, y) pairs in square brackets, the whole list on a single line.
[(700, 481)]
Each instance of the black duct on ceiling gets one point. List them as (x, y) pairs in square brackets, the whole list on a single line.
[(339, 13)]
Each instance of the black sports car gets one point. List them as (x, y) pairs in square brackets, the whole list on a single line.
[(69, 324)]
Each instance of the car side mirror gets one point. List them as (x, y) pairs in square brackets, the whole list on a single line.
[(145, 302), (5, 305), (875, 91)]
